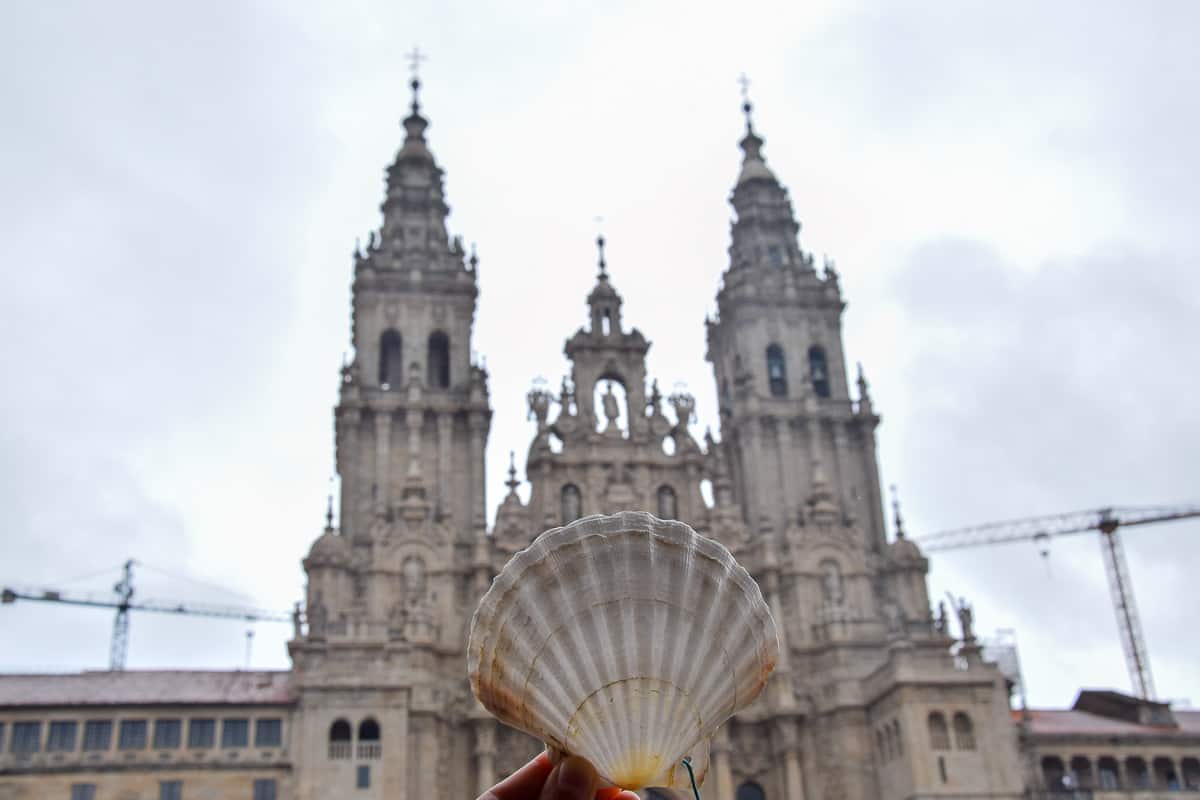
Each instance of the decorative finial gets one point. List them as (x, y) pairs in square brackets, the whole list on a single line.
[(512, 483), (329, 513), (603, 266), (747, 106), (414, 66), (474, 260), (896, 511)]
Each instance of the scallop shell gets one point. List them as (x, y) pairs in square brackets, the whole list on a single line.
[(623, 639)]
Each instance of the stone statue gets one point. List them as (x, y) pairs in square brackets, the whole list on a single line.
[(413, 570), (685, 408), (566, 396), (539, 406), (611, 408), (831, 583), (297, 631), (939, 622), (655, 404), (966, 619)]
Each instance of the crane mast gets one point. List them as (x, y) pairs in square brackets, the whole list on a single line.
[(1106, 521)]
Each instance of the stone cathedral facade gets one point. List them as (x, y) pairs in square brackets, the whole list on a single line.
[(872, 697), (795, 494)]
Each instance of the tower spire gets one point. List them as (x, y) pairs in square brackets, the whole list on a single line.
[(414, 68), (603, 275), (747, 106), (899, 521)]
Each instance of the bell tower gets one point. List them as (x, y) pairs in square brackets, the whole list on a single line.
[(413, 418), (798, 442), (380, 661)]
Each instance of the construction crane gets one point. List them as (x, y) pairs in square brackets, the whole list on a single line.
[(123, 603), (1108, 522)]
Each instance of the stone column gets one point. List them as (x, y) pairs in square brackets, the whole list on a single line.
[(415, 418), (841, 471), (478, 428), (787, 458), (875, 496), (720, 761), (445, 428), (485, 755), (383, 452), (350, 471), (752, 433), (787, 728)]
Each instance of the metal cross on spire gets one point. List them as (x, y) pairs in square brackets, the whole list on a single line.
[(600, 246), (414, 62), (747, 106), (414, 59)]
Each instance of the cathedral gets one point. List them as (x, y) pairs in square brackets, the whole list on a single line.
[(876, 694)]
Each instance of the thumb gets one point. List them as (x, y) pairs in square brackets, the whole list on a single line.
[(573, 779)]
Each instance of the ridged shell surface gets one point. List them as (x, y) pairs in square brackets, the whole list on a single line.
[(624, 639)]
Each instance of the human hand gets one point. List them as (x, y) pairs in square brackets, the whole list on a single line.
[(573, 778)]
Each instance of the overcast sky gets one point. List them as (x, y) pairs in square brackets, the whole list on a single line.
[(1009, 191)]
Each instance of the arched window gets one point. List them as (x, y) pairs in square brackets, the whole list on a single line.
[(776, 371), (369, 745), (1053, 773), (964, 732), (572, 503), (1107, 769), (1165, 776), (391, 359), (668, 504), (751, 791), (1136, 773), (1191, 772), (879, 745), (1081, 771), (899, 737), (438, 361), (818, 370), (889, 742), (339, 739), (939, 734)]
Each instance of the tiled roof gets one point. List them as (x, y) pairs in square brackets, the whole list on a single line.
[(149, 687), (1046, 722)]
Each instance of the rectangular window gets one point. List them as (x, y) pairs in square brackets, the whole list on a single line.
[(132, 735), (364, 777), (1, 737), (168, 734), (97, 734), (235, 733), (26, 737), (202, 732), (170, 790), (62, 736), (264, 789), (83, 791), (268, 732)]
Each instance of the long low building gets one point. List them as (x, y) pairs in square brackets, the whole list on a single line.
[(142, 735), (1111, 745), (165, 735)]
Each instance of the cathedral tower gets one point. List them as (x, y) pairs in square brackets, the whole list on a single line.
[(798, 441), (386, 610)]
